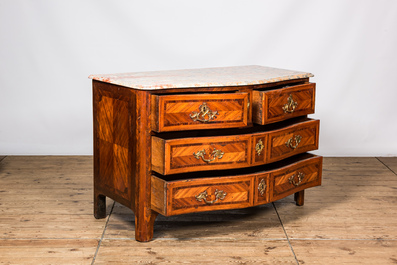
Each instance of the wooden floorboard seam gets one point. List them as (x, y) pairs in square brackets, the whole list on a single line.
[(386, 166), (285, 232), (103, 235), (342, 239), (2, 158), (199, 238)]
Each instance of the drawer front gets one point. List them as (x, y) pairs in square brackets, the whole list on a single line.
[(199, 111), (295, 139), (281, 104), (179, 197), (198, 154), (171, 156), (268, 184), (296, 178)]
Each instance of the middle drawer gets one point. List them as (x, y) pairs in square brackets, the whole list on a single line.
[(180, 155)]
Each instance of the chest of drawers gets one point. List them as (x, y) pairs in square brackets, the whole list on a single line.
[(176, 142)]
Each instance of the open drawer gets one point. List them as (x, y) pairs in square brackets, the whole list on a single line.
[(173, 155), (275, 105), (187, 193)]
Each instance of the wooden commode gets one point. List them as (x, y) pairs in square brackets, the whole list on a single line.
[(184, 141)]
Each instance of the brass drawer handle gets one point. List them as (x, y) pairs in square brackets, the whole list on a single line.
[(259, 147), (300, 178), (294, 141), (290, 106), (218, 195), (204, 111), (215, 154), (262, 187)]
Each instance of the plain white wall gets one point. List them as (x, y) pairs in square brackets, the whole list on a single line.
[(48, 48)]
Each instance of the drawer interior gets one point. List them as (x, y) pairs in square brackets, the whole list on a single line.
[(255, 128), (236, 172)]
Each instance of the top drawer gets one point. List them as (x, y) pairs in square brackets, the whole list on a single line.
[(199, 111), (281, 104)]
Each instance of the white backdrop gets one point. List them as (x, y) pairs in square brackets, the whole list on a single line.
[(48, 48)]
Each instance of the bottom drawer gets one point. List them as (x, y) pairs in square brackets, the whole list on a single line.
[(240, 189), (207, 194)]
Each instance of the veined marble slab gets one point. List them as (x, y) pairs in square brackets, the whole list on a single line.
[(205, 77)]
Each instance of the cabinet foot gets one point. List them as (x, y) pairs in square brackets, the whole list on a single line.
[(299, 197), (99, 206), (144, 226)]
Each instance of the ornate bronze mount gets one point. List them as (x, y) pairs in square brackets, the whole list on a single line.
[(294, 141), (204, 111), (218, 195), (215, 154), (259, 147), (300, 178), (290, 106), (262, 187)]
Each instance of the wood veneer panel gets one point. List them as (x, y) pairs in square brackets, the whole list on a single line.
[(192, 111), (180, 155), (302, 137), (296, 178), (179, 196), (268, 105), (112, 139)]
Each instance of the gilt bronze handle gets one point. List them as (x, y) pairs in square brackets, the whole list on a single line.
[(290, 106), (204, 111), (300, 178), (294, 141), (218, 195), (215, 154)]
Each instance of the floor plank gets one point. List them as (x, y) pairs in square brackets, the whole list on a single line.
[(240, 224), (46, 211), (60, 251), (46, 218), (195, 252), (390, 162), (345, 251), (47, 197)]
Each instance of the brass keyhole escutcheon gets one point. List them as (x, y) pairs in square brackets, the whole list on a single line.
[(290, 106), (204, 115), (259, 147), (262, 187)]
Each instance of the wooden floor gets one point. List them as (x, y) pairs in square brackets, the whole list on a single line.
[(46, 218)]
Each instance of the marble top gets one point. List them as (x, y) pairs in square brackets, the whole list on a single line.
[(205, 77)]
